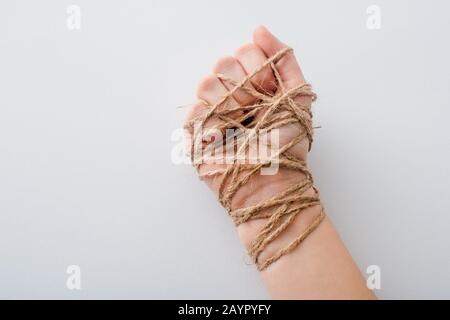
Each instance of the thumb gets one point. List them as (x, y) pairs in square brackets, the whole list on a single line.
[(287, 66)]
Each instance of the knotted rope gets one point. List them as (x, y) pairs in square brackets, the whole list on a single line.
[(270, 111)]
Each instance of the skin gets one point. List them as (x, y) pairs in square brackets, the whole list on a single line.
[(321, 267)]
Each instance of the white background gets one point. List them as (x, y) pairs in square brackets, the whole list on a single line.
[(86, 118)]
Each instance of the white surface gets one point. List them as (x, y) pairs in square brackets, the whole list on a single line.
[(85, 124)]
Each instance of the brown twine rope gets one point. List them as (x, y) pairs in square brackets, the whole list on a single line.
[(278, 110)]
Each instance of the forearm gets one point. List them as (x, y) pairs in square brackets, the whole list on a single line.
[(319, 268), (262, 88)]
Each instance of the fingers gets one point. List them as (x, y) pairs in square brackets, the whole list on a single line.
[(287, 67), (197, 110), (209, 91), (247, 59), (291, 77), (251, 57), (212, 90), (230, 68)]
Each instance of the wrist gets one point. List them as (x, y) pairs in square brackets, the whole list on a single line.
[(249, 230)]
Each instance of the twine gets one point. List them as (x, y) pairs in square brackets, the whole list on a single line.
[(269, 112)]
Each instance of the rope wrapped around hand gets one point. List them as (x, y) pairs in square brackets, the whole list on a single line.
[(269, 111)]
